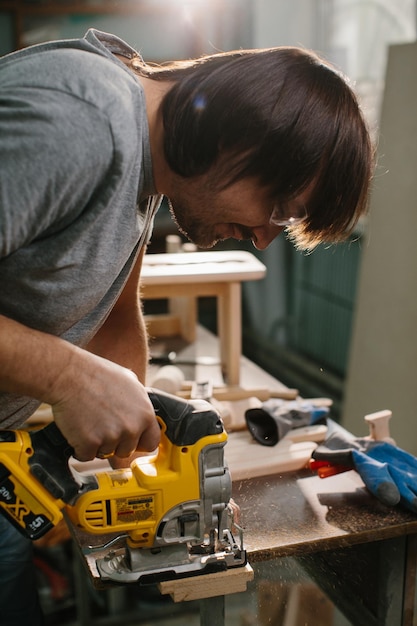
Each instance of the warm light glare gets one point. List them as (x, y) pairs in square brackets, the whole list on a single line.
[(185, 7)]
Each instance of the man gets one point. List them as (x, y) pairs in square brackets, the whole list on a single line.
[(243, 144)]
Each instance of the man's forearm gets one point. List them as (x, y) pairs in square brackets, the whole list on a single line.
[(31, 361)]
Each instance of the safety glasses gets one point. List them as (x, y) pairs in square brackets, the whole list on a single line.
[(288, 214)]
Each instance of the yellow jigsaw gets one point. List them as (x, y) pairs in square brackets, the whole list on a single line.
[(172, 509)]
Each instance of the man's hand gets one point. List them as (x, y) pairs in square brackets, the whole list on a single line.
[(101, 408)]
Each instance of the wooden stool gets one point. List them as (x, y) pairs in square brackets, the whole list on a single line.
[(183, 277)]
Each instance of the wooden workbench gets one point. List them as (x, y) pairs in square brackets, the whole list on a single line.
[(361, 553), (299, 513)]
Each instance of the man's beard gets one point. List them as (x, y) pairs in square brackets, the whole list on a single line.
[(196, 231)]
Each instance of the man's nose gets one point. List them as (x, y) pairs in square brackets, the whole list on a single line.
[(264, 235)]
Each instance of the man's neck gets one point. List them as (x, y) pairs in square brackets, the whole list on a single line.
[(154, 93)]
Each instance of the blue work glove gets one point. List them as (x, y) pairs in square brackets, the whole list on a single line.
[(388, 472), (269, 423)]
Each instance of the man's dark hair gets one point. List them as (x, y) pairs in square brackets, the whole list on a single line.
[(281, 115)]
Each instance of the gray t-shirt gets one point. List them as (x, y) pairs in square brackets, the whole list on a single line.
[(77, 198)]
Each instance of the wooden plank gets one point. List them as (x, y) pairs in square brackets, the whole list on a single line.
[(233, 393), (233, 580), (248, 459)]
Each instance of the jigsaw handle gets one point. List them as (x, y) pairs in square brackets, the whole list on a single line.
[(186, 421)]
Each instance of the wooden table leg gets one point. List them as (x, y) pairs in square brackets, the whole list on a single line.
[(229, 322)]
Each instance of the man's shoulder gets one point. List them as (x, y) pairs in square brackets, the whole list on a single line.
[(80, 67)]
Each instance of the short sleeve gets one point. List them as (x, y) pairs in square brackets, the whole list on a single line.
[(55, 152)]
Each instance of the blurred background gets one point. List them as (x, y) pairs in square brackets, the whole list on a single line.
[(299, 321)]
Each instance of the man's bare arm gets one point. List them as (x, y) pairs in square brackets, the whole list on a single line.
[(123, 338), (99, 405)]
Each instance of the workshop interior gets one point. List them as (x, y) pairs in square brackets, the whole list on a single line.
[(256, 359)]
